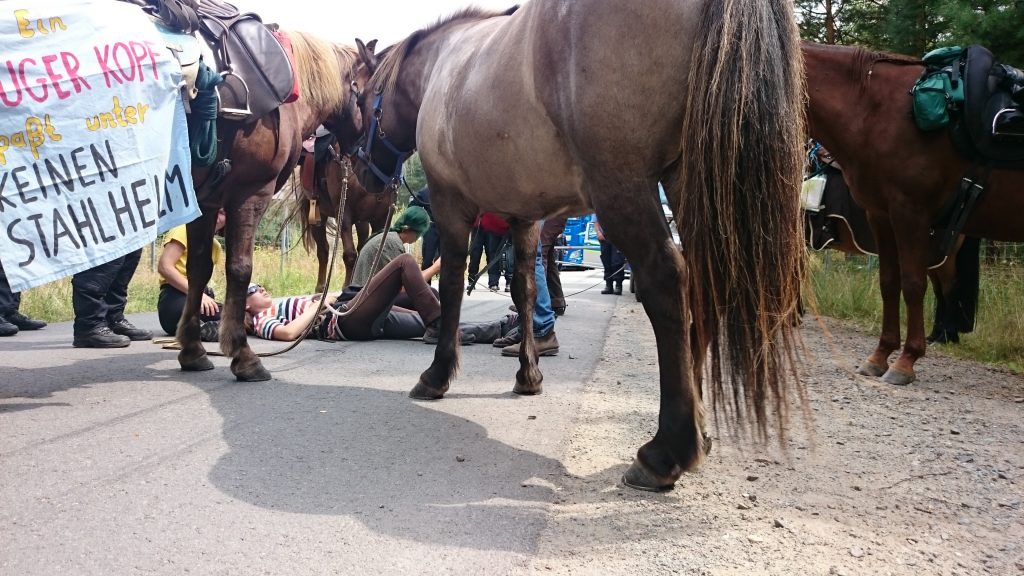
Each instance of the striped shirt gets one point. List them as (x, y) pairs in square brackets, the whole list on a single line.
[(280, 313)]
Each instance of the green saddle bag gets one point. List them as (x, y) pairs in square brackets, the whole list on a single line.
[(940, 90)]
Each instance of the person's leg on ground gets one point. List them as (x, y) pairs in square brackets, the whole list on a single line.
[(476, 249), (365, 319), (607, 250)]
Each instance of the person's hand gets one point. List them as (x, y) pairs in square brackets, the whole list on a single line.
[(208, 306)]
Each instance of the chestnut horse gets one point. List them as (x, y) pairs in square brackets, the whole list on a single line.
[(262, 156), (859, 108), (842, 225), (363, 211), (562, 108)]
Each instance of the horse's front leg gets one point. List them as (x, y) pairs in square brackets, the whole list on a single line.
[(529, 275), (436, 379), (912, 236), (889, 283), (243, 216), (199, 268)]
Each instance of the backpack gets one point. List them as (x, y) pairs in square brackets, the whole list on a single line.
[(940, 90)]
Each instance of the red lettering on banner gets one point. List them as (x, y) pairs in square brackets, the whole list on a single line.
[(55, 78), (6, 91), (25, 83), (108, 72), (71, 65)]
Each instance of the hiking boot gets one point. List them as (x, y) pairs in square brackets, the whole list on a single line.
[(547, 345), (209, 331), (513, 336), (7, 328), (24, 322), (101, 337), (125, 328), (432, 333)]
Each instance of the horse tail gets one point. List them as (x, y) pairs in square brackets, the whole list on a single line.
[(966, 284), (742, 142)]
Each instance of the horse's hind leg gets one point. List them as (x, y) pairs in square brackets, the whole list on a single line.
[(640, 231)]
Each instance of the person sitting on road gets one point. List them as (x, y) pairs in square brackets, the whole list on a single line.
[(174, 283)]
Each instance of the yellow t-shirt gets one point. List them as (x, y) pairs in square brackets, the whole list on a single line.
[(179, 234)]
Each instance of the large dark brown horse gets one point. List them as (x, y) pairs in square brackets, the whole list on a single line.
[(859, 107), (574, 107), (263, 154), (363, 211)]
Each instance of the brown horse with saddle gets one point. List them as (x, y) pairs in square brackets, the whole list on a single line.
[(259, 129), (562, 108), (921, 188)]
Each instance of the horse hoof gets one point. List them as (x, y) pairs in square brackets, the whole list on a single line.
[(255, 374), (200, 364), (898, 378), (525, 389), (423, 392), (869, 368), (639, 477)]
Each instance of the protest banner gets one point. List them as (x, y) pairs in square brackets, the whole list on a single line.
[(94, 156)]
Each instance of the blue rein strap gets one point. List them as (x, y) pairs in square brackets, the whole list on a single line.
[(365, 154)]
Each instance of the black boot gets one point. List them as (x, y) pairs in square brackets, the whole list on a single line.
[(7, 328), (608, 289), (101, 337), (24, 322), (618, 288), (133, 332)]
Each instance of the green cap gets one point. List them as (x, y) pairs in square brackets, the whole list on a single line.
[(414, 218)]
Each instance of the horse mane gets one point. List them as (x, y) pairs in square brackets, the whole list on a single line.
[(323, 67), (386, 74)]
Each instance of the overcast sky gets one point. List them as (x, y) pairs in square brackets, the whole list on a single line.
[(345, 20)]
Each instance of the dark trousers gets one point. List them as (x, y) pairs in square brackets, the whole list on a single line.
[(9, 301), (100, 294), (485, 243), (614, 262), (549, 233), (430, 250), (171, 303), (368, 318)]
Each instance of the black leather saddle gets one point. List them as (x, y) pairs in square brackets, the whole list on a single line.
[(990, 130)]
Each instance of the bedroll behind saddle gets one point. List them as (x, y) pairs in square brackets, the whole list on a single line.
[(257, 70), (990, 130)]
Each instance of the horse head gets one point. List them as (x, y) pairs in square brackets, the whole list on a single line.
[(380, 155)]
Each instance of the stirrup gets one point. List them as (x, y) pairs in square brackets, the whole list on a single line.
[(234, 113)]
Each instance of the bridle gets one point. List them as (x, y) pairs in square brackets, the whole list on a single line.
[(376, 132)]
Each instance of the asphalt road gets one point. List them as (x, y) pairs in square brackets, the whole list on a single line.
[(115, 462)]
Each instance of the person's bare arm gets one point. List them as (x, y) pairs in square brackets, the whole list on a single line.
[(433, 270), (167, 267), (292, 330)]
